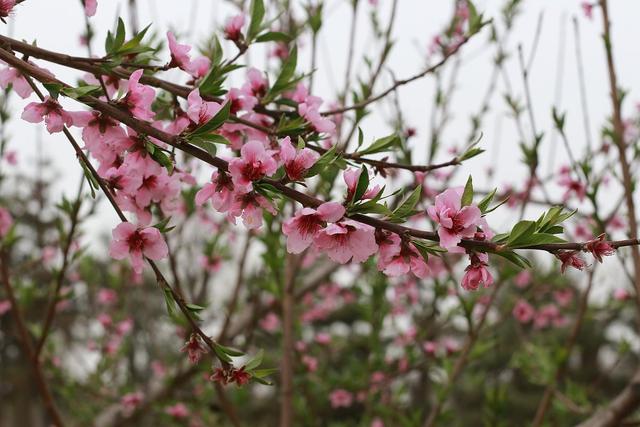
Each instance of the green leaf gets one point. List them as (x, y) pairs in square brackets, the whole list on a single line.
[(486, 200), (54, 89), (79, 92), (255, 361), (380, 145), (257, 15), (467, 195), (120, 34), (521, 232), (286, 75), (207, 146), (363, 184), (407, 206), (514, 258), (216, 121), (273, 36), (538, 239), (230, 351), (222, 355), (324, 160)]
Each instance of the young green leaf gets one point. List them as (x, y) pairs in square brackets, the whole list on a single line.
[(467, 195)]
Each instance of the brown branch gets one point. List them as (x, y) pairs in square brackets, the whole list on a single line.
[(27, 345), (302, 198)]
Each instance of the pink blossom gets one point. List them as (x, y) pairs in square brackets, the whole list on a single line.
[(296, 162), (455, 222), (233, 27), (6, 221), (11, 157), (307, 223), (250, 206), (6, 7), (51, 112), (219, 190), (194, 348), (124, 326), (179, 53), (139, 97), (5, 306), (255, 163), (347, 240), (105, 320), (477, 273), (570, 259), (211, 264), (12, 76), (199, 67), (90, 7), (256, 84), (397, 256), (199, 111), (341, 398), (135, 242), (351, 177), (523, 311), (599, 248), (320, 123), (178, 411)]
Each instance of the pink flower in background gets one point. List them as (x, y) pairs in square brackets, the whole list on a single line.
[(573, 187), (6, 7), (563, 297), (199, 111), (178, 411), (139, 97), (341, 398), (296, 162), (456, 222), (6, 221), (219, 190), (430, 347), (131, 401), (599, 248), (570, 259), (107, 296), (11, 157), (310, 362), (523, 279), (136, 243), (270, 322), (90, 7), (323, 338), (194, 348), (621, 294), (51, 112), (233, 27), (523, 311), (587, 9), (5, 306), (305, 225), (255, 163), (347, 241)]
